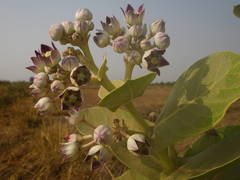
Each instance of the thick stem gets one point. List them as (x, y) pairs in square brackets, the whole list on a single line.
[(128, 70)]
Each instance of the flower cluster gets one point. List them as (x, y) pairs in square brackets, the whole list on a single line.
[(138, 46), (57, 76)]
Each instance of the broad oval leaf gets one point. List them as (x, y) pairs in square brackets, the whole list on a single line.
[(89, 118), (199, 98), (127, 92), (236, 10), (216, 156), (103, 92)]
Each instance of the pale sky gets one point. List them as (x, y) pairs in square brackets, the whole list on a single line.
[(196, 27)]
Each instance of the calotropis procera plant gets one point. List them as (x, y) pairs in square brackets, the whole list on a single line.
[(198, 101)]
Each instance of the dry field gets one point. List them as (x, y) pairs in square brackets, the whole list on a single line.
[(29, 143)]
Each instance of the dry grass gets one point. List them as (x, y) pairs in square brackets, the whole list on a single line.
[(29, 143)]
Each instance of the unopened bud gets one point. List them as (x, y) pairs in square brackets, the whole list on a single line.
[(57, 86), (83, 14), (69, 63), (56, 32), (162, 40), (135, 31), (40, 80), (145, 45), (134, 57), (120, 44), (157, 26), (83, 27), (68, 27), (44, 104), (102, 134)]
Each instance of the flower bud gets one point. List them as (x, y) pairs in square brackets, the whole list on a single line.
[(69, 63), (133, 57), (98, 154), (70, 147), (135, 31), (120, 44), (157, 26), (138, 144), (40, 80), (68, 27), (83, 27), (83, 14), (80, 75), (112, 26), (71, 98), (145, 45), (102, 134), (57, 86), (102, 39), (152, 116), (153, 59), (133, 17), (56, 32), (44, 104), (162, 40)]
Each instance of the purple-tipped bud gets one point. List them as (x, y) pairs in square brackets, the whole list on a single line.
[(83, 27), (70, 146), (146, 45), (56, 32), (68, 27), (83, 15), (133, 17), (57, 86), (102, 39), (120, 44), (80, 75), (138, 144), (157, 26), (153, 59), (69, 63), (135, 31), (102, 134), (71, 98), (162, 40), (112, 26), (133, 57), (44, 104)]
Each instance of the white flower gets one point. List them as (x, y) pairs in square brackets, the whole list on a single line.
[(69, 63), (57, 86), (70, 147), (44, 104), (40, 80), (138, 144), (102, 134)]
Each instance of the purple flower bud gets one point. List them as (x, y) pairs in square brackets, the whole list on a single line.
[(57, 86), (102, 39), (133, 17), (44, 104), (102, 134), (133, 57), (145, 45), (40, 80), (83, 15), (138, 144), (69, 63), (80, 75), (135, 31), (71, 98), (83, 27), (68, 27), (56, 32), (98, 154), (153, 59), (112, 26), (162, 40), (120, 44), (157, 26), (70, 147)]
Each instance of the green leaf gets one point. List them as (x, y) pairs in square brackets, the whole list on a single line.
[(199, 99), (103, 69), (90, 118), (236, 10), (127, 92), (103, 92), (216, 156), (131, 175), (146, 166)]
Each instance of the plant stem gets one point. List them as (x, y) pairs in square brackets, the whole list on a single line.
[(128, 70)]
